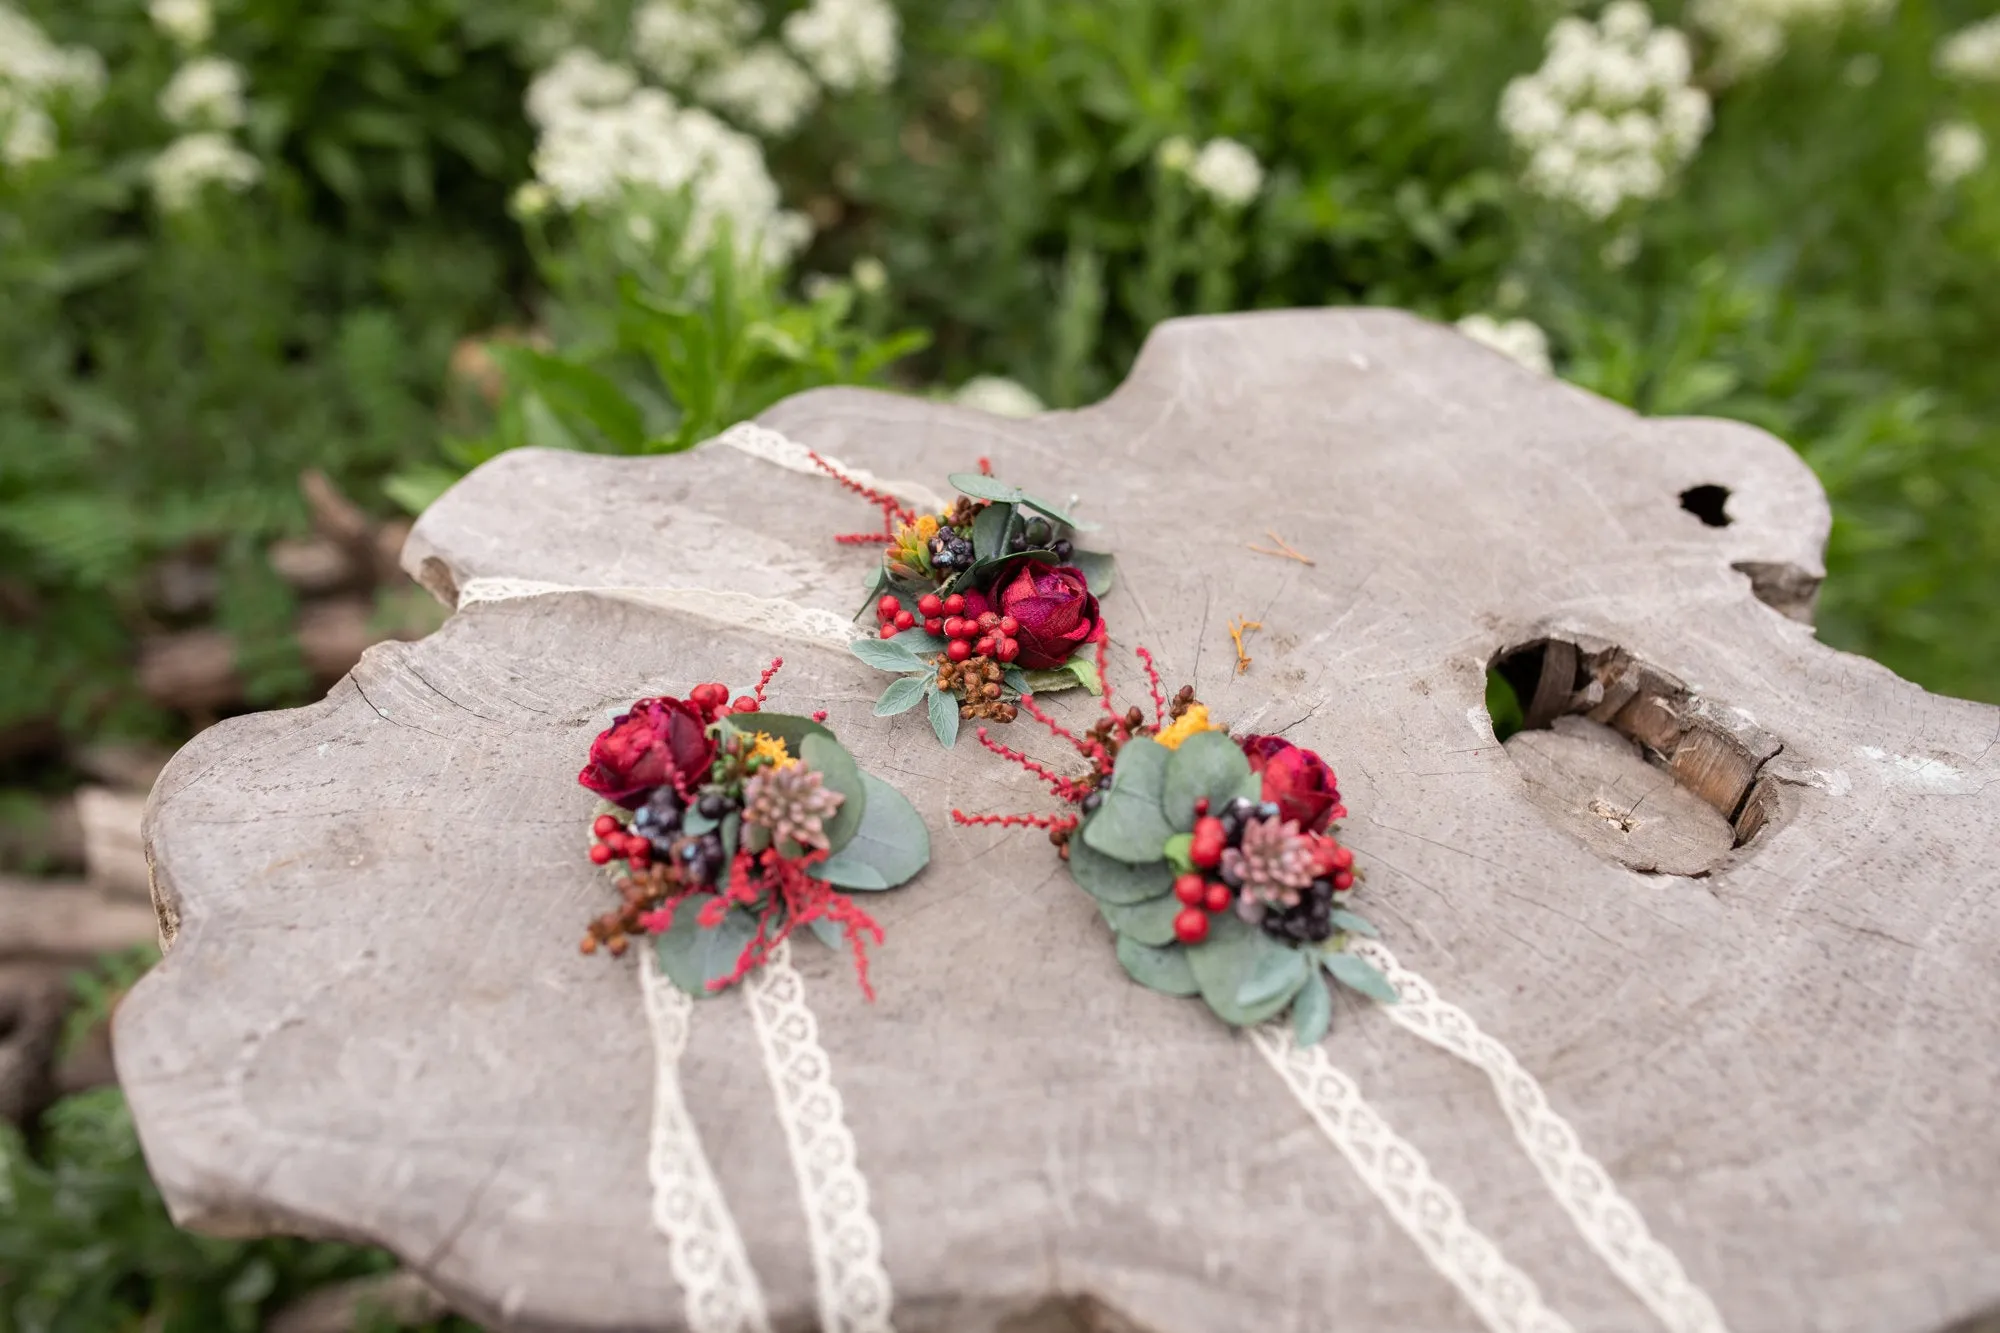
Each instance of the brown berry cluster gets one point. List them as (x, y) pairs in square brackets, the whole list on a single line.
[(640, 891), (977, 683), (963, 510)]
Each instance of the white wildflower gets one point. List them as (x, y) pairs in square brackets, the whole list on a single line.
[(35, 75), (577, 82), (26, 132), (764, 88), (194, 161), (1521, 340), (1610, 116), (1227, 172), (188, 22), (850, 44), (677, 38), (870, 274), (205, 93), (1002, 397), (1957, 149), (595, 157), (1973, 53), (1750, 34)]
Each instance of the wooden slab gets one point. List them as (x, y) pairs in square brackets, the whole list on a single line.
[(373, 1023)]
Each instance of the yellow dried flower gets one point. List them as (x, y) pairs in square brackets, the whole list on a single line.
[(1191, 723), (771, 750)]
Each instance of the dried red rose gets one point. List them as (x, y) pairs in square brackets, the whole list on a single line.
[(660, 741), (1054, 607), (1297, 779)]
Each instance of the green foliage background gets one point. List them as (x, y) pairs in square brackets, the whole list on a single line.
[(165, 378)]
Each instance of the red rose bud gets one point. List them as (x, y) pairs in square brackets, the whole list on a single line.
[(660, 742), (1054, 609), (1297, 779)]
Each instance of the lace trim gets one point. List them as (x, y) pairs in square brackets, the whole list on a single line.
[(1608, 1221), (767, 444), (762, 614), (704, 1248), (853, 1286), (1505, 1299)]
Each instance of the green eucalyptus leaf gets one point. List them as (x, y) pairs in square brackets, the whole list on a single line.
[(1163, 970), (1280, 973), (827, 933), (1129, 825), (923, 644), (903, 694), (989, 531), (694, 823), (889, 847), (944, 717), (1099, 570), (1057, 512), (1177, 851), (1312, 1012), (1150, 922), (1016, 680), (731, 829), (787, 727), (838, 771), (1359, 974), (692, 956), (1208, 765), (1353, 923), (982, 487), (1230, 956), (1117, 882), (888, 655)]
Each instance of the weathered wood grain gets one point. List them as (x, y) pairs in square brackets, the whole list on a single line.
[(373, 1023)]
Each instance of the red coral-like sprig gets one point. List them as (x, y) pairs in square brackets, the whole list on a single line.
[(1087, 747), (791, 898), (1153, 683), (1067, 789), (777, 664), (1065, 823), (892, 511)]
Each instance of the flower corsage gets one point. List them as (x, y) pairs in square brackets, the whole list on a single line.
[(726, 828), (982, 603), (1214, 860)]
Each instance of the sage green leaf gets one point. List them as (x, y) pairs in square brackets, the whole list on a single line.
[(1208, 765), (1083, 665), (1177, 850), (1359, 974), (1057, 512), (787, 727), (1129, 825), (1353, 923), (989, 531), (1098, 568), (1163, 970), (1312, 1012), (887, 655), (889, 847), (876, 583), (944, 717), (827, 932), (694, 823), (924, 645), (1252, 787), (1016, 680), (1150, 922), (1279, 973), (692, 956), (1229, 957), (1116, 882), (1048, 680), (903, 694), (982, 487), (838, 771), (732, 827)]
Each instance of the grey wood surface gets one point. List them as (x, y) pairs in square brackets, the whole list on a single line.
[(373, 1022)]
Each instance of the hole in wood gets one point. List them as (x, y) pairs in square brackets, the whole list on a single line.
[(1709, 503), (1625, 757)]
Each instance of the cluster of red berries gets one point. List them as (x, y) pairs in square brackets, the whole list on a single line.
[(989, 634), (712, 701), (617, 843)]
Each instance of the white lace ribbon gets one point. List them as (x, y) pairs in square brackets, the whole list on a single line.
[(853, 1286), (704, 1248), (772, 447), (1608, 1221), (1505, 1299)]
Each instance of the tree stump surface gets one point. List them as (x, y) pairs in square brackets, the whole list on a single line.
[(1772, 1017)]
